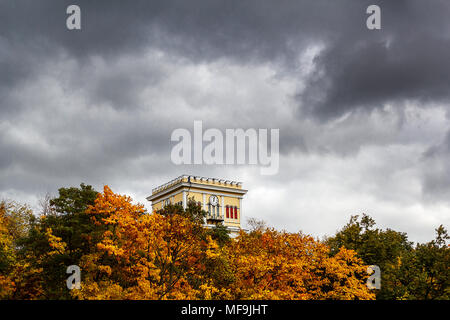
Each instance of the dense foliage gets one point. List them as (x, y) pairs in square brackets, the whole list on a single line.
[(407, 271), (125, 252)]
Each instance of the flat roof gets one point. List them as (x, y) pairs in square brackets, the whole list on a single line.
[(213, 184)]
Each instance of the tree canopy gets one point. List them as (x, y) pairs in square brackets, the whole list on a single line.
[(407, 271), (125, 252)]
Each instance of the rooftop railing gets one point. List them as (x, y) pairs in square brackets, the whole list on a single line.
[(194, 179)]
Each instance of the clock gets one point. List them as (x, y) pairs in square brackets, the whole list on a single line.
[(214, 200)]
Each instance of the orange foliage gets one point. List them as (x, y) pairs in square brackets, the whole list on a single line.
[(278, 265), (141, 255), (169, 256)]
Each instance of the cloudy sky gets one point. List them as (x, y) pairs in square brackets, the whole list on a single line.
[(364, 115)]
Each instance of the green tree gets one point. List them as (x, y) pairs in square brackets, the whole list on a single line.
[(375, 247), (221, 234), (407, 271), (193, 211), (60, 239), (424, 272)]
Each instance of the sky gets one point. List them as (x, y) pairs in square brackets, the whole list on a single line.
[(363, 115)]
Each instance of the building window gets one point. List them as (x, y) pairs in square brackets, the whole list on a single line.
[(166, 202), (228, 212), (213, 211), (235, 212)]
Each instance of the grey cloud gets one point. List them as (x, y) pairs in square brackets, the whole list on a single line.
[(356, 69), (370, 75), (91, 97), (200, 30), (365, 70), (436, 173)]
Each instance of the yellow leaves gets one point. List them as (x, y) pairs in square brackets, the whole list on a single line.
[(6, 239), (208, 291), (105, 269), (6, 287), (152, 253), (104, 290), (277, 265), (56, 243), (108, 246), (155, 256), (212, 248)]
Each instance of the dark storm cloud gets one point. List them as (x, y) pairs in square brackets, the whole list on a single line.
[(252, 31), (105, 126), (406, 60), (119, 85), (357, 69), (370, 74)]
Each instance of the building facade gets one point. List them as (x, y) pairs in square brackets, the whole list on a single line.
[(221, 199)]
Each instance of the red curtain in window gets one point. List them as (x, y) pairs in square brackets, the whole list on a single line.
[(235, 212), (228, 212)]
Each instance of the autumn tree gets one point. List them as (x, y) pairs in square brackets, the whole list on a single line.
[(7, 255), (220, 234), (14, 225), (125, 252), (269, 264), (159, 255), (56, 240)]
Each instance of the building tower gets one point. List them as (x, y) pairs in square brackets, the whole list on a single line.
[(221, 199)]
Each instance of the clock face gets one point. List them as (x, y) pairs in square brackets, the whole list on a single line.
[(214, 200)]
